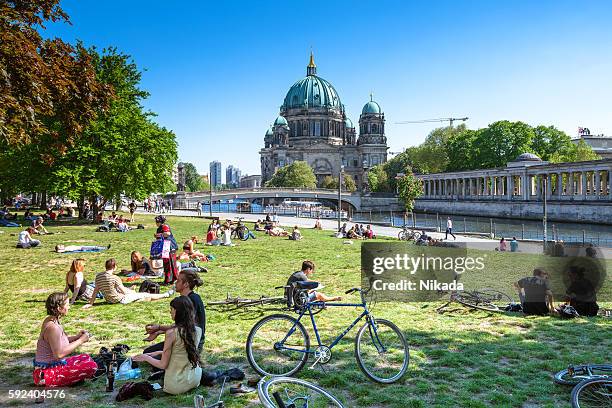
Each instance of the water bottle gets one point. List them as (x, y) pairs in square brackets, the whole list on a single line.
[(128, 374)]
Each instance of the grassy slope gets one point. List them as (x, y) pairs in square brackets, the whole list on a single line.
[(459, 358)]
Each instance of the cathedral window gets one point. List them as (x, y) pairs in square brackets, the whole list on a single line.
[(317, 128), (374, 128)]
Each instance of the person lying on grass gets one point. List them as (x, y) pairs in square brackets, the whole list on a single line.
[(189, 253), (76, 283), (52, 366), (304, 275), (277, 232), (61, 248), (113, 290), (180, 357), (186, 283)]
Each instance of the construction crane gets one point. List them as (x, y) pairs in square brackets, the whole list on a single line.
[(449, 120)]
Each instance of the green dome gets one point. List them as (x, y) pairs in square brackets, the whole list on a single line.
[(269, 132), (348, 123), (371, 107), (311, 92), (280, 121)]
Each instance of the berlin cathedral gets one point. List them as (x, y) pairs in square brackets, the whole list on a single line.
[(313, 127)]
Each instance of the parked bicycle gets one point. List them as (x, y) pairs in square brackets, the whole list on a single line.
[(407, 234), (592, 384), (489, 300), (278, 345), (231, 303), (287, 392), (240, 230)]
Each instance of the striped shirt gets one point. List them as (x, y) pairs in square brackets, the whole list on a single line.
[(108, 284)]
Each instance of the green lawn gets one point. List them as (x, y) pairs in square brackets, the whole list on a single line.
[(458, 358)]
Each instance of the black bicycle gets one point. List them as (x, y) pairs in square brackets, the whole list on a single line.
[(240, 230), (592, 384), (278, 345)]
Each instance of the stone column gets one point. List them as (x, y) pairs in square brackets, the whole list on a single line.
[(583, 185), (597, 188), (538, 180), (570, 184), (559, 188), (525, 187), (509, 186), (548, 185)]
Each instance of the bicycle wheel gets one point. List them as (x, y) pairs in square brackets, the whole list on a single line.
[(593, 393), (294, 391), (277, 345), (416, 235), (474, 301), (382, 354), (493, 296), (583, 372), (402, 236)]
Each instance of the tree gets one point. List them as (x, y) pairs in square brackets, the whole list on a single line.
[(549, 141), (47, 87), (348, 183), (193, 181), (123, 151), (378, 179), (463, 151), (297, 174), (409, 189), (329, 182), (502, 142), (575, 153)]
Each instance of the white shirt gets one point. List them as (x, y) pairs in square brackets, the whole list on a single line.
[(449, 223), (227, 237), (24, 237)]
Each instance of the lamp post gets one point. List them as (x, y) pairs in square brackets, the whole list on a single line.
[(544, 221), (210, 196), (340, 196)]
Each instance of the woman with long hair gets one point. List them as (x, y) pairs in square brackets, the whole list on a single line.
[(76, 283), (52, 366), (140, 264), (163, 232), (180, 358)]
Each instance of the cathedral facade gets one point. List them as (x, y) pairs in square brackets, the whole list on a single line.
[(312, 126)]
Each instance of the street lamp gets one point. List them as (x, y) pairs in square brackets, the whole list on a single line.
[(340, 196), (210, 196)]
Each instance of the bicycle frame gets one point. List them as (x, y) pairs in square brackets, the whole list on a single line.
[(308, 309)]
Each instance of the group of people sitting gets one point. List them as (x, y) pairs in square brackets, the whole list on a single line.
[(357, 231), (537, 297), (503, 245), (176, 359), (218, 234)]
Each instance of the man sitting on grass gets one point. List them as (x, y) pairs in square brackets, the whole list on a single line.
[(113, 290), (535, 293), (304, 275)]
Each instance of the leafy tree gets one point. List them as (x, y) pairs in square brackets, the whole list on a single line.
[(501, 143), (409, 189), (193, 181), (297, 174), (47, 87), (348, 183), (329, 182), (463, 151), (378, 181), (549, 141), (575, 153)]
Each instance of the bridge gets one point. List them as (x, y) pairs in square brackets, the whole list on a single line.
[(269, 195)]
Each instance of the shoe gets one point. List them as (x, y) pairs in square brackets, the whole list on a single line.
[(109, 245), (252, 382), (242, 389), (170, 293)]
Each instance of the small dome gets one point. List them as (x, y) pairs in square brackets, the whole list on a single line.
[(269, 132), (280, 121), (349, 124), (371, 107), (528, 157)]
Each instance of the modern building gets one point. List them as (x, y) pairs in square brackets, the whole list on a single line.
[(313, 126), (253, 181), (232, 176), (215, 173)]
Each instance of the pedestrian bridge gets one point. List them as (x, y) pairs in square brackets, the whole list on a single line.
[(276, 195)]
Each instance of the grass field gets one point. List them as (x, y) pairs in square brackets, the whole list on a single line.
[(459, 358)]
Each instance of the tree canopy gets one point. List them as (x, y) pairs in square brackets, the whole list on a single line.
[(193, 180), (296, 174)]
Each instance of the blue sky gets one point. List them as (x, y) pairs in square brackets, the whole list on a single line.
[(218, 71)]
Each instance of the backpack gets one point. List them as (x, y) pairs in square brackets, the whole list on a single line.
[(157, 248), (296, 294), (148, 286)]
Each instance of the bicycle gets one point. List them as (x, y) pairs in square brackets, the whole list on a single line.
[(574, 374), (278, 345), (407, 234), (237, 302), (482, 299), (240, 230), (592, 384), (287, 392)]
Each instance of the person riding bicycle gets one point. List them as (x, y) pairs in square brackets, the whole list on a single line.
[(304, 275)]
